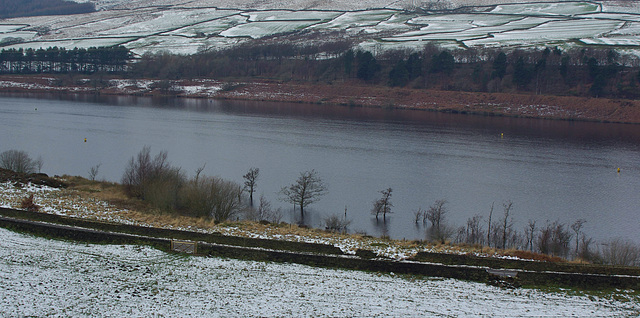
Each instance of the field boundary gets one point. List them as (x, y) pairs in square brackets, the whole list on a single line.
[(485, 274)]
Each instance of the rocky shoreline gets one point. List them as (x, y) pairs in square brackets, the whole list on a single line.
[(344, 93)]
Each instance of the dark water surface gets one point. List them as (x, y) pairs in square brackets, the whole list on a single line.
[(550, 170)]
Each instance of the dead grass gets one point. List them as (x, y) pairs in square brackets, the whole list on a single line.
[(534, 256), (110, 192)]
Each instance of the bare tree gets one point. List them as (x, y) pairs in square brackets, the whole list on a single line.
[(418, 215), (93, 172), (544, 239), (335, 223), (18, 161), (621, 252), (585, 252), (495, 236), (436, 215), (141, 169), (211, 197), (489, 226), (250, 182), (39, 163), (473, 232), (266, 213), (507, 223), (561, 239), (554, 239), (263, 212), (577, 228), (529, 232), (383, 205), (307, 189), (199, 171), (461, 235)]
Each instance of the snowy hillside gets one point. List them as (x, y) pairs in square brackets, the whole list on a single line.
[(343, 5), (188, 27)]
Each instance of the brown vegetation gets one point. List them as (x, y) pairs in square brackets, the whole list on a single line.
[(501, 104), (28, 204), (353, 93), (34, 178)]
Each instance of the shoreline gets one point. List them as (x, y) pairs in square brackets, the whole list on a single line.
[(351, 94)]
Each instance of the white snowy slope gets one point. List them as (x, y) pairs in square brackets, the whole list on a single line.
[(192, 26), (298, 4), (41, 277)]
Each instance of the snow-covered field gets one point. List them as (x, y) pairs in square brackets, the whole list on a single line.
[(41, 277), (188, 27)]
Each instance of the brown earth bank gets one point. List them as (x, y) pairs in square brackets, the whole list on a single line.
[(40, 179), (343, 93)]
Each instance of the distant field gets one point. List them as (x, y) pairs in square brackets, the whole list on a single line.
[(191, 28)]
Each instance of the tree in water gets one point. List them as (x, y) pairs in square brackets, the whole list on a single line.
[(250, 182), (577, 228), (436, 215), (383, 205), (307, 189)]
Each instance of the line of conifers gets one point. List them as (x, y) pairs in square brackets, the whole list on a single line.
[(165, 187), (593, 72)]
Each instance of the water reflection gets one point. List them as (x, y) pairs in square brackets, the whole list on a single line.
[(591, 133), (381, 227)]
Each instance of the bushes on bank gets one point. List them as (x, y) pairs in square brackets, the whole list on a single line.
[(19, 161), (167, 188), (211, 197)]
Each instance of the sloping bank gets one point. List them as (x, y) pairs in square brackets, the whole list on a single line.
[(495, 271)]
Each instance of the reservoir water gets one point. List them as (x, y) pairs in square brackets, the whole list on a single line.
[(550, 170)]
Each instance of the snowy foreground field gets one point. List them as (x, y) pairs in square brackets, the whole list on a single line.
[(42, 277)]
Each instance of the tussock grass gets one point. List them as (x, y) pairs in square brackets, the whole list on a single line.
[(533, 256)]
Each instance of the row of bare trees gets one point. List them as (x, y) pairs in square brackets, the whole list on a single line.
[(553, 238)]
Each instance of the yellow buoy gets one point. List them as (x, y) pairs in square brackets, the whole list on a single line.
[(618, 170), (501, 135), (85, 140)]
